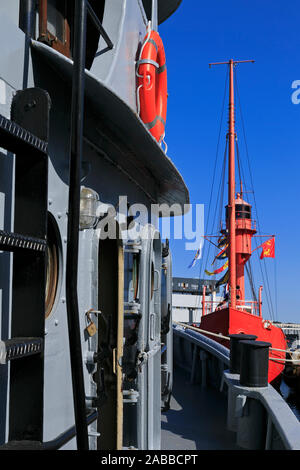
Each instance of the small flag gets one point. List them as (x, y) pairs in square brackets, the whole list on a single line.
[(223, 254), (222, 241), (226, 290), (219, 270), (223, 279), (268, 249), (197, 256)]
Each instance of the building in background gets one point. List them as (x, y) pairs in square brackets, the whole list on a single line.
[(187, 298)]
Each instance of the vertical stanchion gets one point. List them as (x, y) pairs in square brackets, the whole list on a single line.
[(77, 114)]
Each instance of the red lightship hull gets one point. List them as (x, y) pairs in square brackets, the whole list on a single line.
[(232, 321)]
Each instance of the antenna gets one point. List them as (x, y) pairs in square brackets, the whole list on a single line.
[(234, 62)]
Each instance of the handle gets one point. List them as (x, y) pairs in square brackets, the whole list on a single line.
[(157, 278)]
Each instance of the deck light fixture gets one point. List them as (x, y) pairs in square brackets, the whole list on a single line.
[(89, 200)]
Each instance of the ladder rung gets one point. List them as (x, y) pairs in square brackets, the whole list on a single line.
[(14, 241), (17, 348), (22, 445), (14, 136)]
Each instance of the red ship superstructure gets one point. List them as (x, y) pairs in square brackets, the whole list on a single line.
[(236, 314)]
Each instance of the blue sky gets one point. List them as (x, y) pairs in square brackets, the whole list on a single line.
[(268, 32)]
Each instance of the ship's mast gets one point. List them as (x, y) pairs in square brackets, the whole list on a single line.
[(231, 191), (231, 183)]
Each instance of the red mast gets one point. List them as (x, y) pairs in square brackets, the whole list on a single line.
[(231, 192), (231, 183), (241, 316)]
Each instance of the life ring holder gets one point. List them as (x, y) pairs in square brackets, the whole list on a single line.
[(152, 86)]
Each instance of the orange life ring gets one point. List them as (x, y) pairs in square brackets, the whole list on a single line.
[(152, 85)]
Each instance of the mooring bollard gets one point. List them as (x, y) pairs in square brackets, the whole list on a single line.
[(254, 363), (234, 367), (235, 351)]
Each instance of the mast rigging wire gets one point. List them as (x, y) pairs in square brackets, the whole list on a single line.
[(268, 292), (213, 180), (248, 266), (219, 196)]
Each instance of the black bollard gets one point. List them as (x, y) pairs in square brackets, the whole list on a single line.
[(235, 351), (254, 363)]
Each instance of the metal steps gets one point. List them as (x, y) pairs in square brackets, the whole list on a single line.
[(26, 136), (15, 138), (22, 445), (16, 348), (14, 241)]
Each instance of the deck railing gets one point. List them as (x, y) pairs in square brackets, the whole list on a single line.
[(259, 416), (249, 306)]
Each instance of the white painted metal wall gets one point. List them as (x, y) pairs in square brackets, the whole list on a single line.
[(188, 307)]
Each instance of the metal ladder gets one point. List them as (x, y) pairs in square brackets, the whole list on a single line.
[(26, 136)]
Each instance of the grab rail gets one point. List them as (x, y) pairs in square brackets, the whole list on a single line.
[(98, 25), (67, 435)]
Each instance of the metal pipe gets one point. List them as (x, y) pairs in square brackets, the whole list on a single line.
[(77, 112), (68, 435), (27, 24), (231, 192), (154, 16), (27, 17), (260, 301), (203, 300)]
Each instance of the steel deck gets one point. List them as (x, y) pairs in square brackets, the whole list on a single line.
[(196, 419)]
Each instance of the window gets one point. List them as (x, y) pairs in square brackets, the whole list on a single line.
[(56, 21), (54, 24)]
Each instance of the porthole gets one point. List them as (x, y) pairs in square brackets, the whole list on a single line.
[(52, 265)]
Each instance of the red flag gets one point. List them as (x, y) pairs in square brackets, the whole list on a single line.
[(268, 249)]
